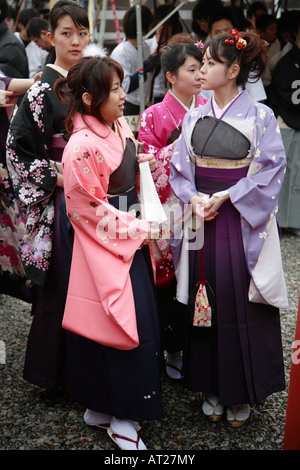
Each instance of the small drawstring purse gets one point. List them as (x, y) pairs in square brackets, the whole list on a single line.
[(202, 308)]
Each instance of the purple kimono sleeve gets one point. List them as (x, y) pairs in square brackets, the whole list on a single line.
[(182, 177), (256, 195), (5, 82)]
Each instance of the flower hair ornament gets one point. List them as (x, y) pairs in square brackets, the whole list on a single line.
[(199, 44), (240, 43)]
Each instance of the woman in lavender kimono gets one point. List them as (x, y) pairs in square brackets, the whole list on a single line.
[(110, 313), (160, 127), (228, 166), (34, 148)]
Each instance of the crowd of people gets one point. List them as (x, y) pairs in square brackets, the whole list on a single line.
[(112, 291)]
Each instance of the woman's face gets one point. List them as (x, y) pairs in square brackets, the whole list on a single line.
[(187, 79), (113, 108), (214, 75), (69, 41)]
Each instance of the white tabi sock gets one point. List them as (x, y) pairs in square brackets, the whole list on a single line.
[(126, 428), (95, 417)]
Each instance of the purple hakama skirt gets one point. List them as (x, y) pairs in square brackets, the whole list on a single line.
[(240, 359)]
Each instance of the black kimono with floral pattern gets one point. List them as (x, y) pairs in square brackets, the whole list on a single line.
[(30, 146), (34, 138)]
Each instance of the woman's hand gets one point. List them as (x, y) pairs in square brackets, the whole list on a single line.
[(147, 157), (197, 204), (210, 209), (37, 76), (6, 98)]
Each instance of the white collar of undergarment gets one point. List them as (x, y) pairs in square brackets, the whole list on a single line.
[(59, 69), (218, 110)]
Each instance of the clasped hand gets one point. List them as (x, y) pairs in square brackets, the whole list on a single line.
[(207, 208)]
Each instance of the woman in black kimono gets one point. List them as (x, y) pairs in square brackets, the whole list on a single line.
[(34, 149)]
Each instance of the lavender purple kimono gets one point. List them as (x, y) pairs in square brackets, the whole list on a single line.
[(241, 259)]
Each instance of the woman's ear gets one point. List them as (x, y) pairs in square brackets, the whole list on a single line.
[(234, 71), (87, 99), (170, 77)]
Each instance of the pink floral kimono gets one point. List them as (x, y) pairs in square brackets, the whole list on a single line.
[(160, 127), (98, 252), (110, 313)]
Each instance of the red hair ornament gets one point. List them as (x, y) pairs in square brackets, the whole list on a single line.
[(240, 42)]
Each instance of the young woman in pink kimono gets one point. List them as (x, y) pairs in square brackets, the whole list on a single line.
[(110, 314), (229, 166), (160, 127)]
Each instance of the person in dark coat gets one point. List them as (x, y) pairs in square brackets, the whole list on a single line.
[(284, 99), (13, 59)]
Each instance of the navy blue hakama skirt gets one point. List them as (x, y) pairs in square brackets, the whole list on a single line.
[(124, 384)]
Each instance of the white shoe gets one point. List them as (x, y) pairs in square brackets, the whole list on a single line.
[(237, 415), (211, 407), (174, 365), (123, 435)]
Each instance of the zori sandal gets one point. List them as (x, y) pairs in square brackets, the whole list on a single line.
[(237, 415), (136, 444), (214, 412), (99, 427)]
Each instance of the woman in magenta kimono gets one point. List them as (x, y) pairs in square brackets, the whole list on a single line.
[(110, 314), (160, 127), (228, 165)]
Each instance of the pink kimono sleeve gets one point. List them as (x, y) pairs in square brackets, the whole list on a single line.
[(86, 175), (162, 153)]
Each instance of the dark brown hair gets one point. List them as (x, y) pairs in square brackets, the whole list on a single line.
[(252, 59), (175, 55), (93, 75), (129, 21), (68, 8)]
